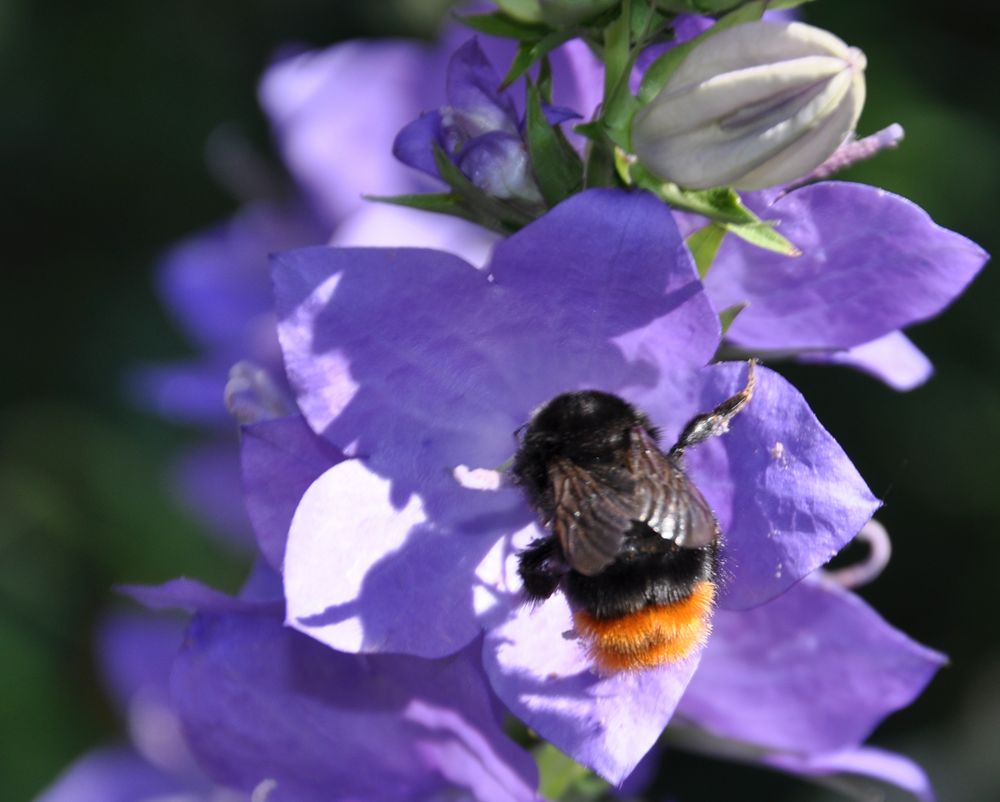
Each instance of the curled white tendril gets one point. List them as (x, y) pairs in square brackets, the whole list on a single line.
[(879, 552)]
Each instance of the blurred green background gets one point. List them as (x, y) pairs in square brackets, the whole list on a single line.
[(106, 111)]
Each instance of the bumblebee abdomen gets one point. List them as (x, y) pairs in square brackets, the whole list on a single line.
[(651, 636)]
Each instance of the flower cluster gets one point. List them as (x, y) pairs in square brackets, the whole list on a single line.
[(589, 236)]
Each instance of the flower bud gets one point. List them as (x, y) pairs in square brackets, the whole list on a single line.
[(753, 106)]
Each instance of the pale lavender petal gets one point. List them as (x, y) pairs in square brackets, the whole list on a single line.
[(115, 775), (872, 263), (893, 358), (785, 493), (542, 673), (280, 459), (814, 670), (363, 574), (497, 163), (261, 702), (866, 761), (386, 225), (340, 156)]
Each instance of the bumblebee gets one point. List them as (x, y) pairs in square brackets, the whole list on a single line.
[(633, 544)]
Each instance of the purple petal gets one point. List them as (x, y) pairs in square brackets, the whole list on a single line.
[(114, 775), (604, 275), (413, 356), (814, 670), (785, 493), (892, 358), (414, 145), (187, 392), (339, 156), (280, 459), (872, 263), (260, 702), (865, 761), (190, 595), (544, 676), (477, 105), (135, 650), (363, 574)]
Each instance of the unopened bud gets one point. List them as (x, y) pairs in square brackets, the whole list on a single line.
[(753, 106)]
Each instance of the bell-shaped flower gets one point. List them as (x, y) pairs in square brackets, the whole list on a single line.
[(413, 363)]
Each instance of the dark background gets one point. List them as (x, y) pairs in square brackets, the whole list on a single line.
[(106, 111)]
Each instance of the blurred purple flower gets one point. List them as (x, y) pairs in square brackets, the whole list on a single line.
[(264, 708), (413, 362)]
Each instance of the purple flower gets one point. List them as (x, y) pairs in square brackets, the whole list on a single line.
[(263, 708), (872, 263), (480, 130), (135, 651), (413, 362)]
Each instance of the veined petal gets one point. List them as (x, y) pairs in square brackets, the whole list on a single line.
[(872, 262), (814, 670)]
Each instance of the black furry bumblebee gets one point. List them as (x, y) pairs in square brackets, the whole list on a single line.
[(633, 543)]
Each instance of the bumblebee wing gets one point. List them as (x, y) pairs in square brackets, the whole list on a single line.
[(665, 499), (590, 517)]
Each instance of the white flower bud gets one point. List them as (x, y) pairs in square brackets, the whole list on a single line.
[(756, 105)]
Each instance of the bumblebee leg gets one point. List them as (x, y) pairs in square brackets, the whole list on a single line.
[(542, 568), (716, 422)]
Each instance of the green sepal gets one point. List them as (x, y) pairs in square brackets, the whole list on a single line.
[(763, 234), (704, 244), (729, 314), (659, 72), (560, 777), (487, 210), (530, 53), (721, 204), (437, 202), (556, 166), (521, 10), (503, 26)]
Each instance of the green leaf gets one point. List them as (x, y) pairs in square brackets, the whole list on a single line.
[(437, 202), (563, 778), (556, 166), (503, 26), (522, 10), (728, 315), (659, 71), (763, 234), (704, 245), (529, 53), (489, 211)]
